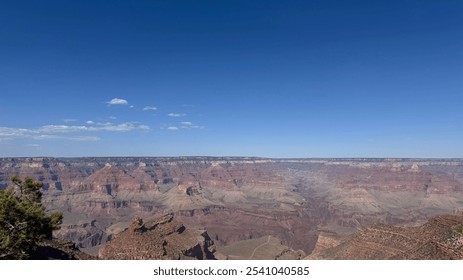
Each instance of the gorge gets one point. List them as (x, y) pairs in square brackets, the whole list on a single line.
[(297, 201)]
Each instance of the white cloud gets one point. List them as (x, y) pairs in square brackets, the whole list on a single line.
[(90, 122), (113, 118), (62, 128), (7, 133), (193, 127), (117, 101), (143, 127), (71, 138), (131, 106), (84, 138), (183, 125), (175, 115), (105, 123), (114, 127), (69, 120), (67, 132), (150, 108), (33, 145), (190, 125), (45, 137), (122, 127)]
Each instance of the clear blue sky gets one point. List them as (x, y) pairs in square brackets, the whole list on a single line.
[(231, 78)]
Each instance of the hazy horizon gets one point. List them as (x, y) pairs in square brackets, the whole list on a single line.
[(241, 157), (272, 79)]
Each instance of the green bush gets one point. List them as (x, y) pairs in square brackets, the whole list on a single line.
[(23, 220), (460, 229)]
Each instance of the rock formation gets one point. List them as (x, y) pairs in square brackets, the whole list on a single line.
[(440, 238), (263, 248), (242, 198), (59, 249), (162, 238)]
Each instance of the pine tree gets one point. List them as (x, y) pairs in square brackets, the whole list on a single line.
[(23, 220)]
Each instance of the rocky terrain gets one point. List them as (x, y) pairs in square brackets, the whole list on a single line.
[(440, 238), (263, 248), (298, 201), (58, 249), (161, 238)]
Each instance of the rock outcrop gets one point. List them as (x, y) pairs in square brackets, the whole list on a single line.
[(162, 238), (59, 249), (439, 239)]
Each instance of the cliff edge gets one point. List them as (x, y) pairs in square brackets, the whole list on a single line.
[(163, 238)]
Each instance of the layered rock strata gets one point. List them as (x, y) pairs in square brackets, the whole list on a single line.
[(162, 238), (242, 198), (439, 239)]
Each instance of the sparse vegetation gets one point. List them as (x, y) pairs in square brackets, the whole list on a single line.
[(460, 229), (23, 220)]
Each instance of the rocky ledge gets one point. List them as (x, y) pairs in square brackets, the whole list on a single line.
[(161, 238), (59, 249)]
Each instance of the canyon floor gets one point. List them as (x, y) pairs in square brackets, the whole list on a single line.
[(251, 208)]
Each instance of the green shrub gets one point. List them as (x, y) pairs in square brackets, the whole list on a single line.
[(23, 220)]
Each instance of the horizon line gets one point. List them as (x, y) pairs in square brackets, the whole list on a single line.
[(239, 157)]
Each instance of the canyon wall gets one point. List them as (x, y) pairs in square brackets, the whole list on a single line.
[(242, 198)]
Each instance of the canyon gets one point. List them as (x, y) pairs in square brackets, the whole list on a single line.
[(304, 206), (440, 238)]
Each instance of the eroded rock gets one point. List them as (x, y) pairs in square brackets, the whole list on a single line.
[(161, 238)]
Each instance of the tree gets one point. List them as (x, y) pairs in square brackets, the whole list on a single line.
[(24, 222)]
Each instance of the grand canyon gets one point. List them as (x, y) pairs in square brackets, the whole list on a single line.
[(255, 208)]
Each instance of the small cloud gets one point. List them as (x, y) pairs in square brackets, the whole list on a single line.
[(90, 122), (143, 127), (131, 106), (117, 101), (175, 115), (150, 108), (45, 137), (84, 138), (9, 133), (69, 120), (113, 118), (128, 126), (61, 128), (33, 145), (122, 127), (190, 125), (70, 138), (172, 128)]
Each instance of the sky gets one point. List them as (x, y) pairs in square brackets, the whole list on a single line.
[(265, 78)]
